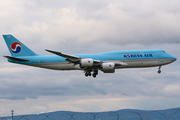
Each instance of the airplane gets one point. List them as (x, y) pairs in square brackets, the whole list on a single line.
[(89, 63)]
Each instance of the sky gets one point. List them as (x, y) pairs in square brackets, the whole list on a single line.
[(85, 27)]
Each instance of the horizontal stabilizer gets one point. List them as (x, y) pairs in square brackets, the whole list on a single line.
[(16, 59)]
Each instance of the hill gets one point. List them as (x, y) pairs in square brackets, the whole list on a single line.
[(125, 114)]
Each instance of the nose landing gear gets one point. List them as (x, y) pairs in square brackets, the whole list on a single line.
[(159, 71)]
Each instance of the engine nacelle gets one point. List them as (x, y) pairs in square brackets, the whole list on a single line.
[(87, 62), (108, 67)]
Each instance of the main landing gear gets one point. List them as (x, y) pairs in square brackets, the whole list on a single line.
[(159, 71), (95, 73), (88, 73)]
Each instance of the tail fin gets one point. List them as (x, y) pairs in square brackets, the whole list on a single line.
[(17, 48)]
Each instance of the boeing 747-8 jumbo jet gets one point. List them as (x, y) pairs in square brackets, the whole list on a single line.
[(89, 63)]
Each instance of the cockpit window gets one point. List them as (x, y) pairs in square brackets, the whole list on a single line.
[(163, 51)]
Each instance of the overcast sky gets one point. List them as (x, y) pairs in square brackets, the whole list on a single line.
[(89, 26)]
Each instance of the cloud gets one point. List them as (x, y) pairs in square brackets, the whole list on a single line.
[(85, 104), (69, 22), (39, 82)]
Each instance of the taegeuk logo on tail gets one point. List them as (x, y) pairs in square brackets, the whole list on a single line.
[(16, 47)]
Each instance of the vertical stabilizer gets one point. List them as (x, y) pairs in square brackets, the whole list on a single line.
[(16, 48)]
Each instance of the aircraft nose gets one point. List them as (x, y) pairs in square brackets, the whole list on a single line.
[(174, 58)]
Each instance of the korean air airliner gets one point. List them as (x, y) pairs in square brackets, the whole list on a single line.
[(89, 63)]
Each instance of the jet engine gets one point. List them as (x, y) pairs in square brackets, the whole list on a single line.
[(108, 67), (87, 62)]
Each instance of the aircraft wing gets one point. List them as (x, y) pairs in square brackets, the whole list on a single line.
[(63, 55), (70, 58), (76, 59)]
